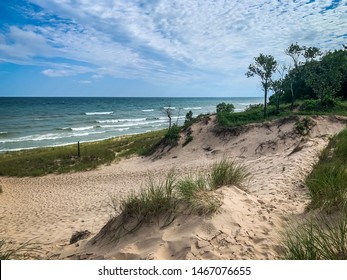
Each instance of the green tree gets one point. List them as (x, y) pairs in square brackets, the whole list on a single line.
[(264, 66), (324, 77), (225, 108)]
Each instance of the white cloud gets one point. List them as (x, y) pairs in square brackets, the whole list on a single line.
[(171, 40)]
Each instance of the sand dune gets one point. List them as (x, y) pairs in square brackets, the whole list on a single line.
[(247, 226)]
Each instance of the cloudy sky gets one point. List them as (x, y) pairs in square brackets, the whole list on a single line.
[(154, 47)]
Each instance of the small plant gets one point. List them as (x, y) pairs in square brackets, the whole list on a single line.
[(1, 191), (227, 172), (304, 126)]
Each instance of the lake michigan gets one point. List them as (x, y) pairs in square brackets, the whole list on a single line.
[(27, 123)]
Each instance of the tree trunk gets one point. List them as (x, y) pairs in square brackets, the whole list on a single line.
[(292, 91), (265, 101)]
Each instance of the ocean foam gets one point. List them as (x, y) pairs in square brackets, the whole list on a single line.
[(147, 110), (99, 113)]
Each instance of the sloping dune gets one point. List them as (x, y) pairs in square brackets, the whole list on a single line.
[(247, 225)]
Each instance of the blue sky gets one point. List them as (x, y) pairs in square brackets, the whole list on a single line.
[(154, 48)]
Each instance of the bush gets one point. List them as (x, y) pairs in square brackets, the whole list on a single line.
[(173, 135), (310, 105), (226, 172), (225, 108), (304, 126)]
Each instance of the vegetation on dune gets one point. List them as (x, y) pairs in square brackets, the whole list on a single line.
[(42, 161), (317, 239), (9, 251), (162, 201), (324, 237), (327, 182)]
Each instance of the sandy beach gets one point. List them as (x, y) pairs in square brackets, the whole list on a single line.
[(49, 209)]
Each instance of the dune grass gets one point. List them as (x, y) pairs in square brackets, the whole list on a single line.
[(162, 201), (319, 239), (227, 172), (324, 238), (9, 251), (196, 195), (63, 159), (327, 182)]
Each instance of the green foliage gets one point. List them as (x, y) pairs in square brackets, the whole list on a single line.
[(227, 172), (42, 161), (196, 195), (189, 119), (304, 126), (225, 108), (152, 202), (173, 135), (322, 239), (189, 138), (264, 66), (327, 182), (161, 202), (1, 190)]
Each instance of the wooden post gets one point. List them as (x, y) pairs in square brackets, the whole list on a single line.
[(78, 149)]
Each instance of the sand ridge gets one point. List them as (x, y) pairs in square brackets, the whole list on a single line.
[(49, 209)]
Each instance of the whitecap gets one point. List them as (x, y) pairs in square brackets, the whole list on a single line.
[(147, 110), (99, 113), (192, 108)]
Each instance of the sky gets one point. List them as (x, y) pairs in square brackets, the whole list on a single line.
[(155, 48)]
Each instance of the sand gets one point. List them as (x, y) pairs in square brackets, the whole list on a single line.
[(49, 209)]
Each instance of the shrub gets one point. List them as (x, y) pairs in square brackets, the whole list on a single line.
[(304, 126), (225, 108), (189, 119), (310, 105), (172, 135), (227, 172)]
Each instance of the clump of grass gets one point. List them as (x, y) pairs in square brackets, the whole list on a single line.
[(1, 190), (196, 195), (227, 172), (9, 251), (317, 240), (157, 199), (328, 185)]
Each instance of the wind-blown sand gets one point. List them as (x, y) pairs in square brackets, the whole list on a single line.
[(49, 209)]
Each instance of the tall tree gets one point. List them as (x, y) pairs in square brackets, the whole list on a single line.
[(294, 51), (264, 66)]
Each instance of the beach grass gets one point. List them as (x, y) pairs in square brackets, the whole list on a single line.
[(10, 251), (196, 195), (227, 172), (327, 183), (63, 159), (318, 239)]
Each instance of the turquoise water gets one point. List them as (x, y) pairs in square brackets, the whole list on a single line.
[(27, 123)]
